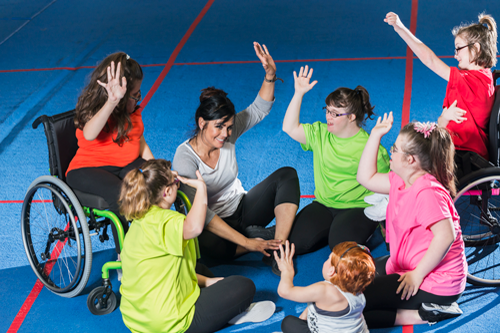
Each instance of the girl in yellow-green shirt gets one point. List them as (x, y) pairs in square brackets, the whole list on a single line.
[(161, 291), (337, 213)]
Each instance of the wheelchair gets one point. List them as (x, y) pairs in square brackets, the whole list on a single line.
[(478, 204), (57, 222)]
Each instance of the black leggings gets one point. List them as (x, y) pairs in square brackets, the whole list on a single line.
[(255, 208), (221, 302), (105, 182), (317, 225), (292, 324), (382, 302)]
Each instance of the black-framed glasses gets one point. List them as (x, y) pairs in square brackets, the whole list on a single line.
[(137, 99), (175, 182), (333, 114), (462, 47)]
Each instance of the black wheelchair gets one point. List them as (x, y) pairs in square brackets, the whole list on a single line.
[(478, 204), (57, 222)]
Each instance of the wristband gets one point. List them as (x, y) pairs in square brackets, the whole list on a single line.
[(274, 79)]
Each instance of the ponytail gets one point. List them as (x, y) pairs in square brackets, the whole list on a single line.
[(142, 188)]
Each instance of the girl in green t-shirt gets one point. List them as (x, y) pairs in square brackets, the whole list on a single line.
[(337, 213), (161, 289)]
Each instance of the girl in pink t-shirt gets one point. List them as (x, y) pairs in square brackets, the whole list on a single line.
[(426, 271), (470, 93)]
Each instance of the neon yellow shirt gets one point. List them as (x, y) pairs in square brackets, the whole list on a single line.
[(336, 163), (159, 285)]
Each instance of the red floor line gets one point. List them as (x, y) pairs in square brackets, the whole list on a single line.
[(174, 54), (217, 63), (37, 288), (405, 115), (23, 312)]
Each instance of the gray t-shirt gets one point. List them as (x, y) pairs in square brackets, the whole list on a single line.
[(224, 189)]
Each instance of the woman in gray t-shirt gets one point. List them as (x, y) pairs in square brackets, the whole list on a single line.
[(236, 219)]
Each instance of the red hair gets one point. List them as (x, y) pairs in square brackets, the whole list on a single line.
[(354, 267)]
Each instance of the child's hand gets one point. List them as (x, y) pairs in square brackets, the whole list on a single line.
[(393, 20), (302, 84), (196, 183), (452, 113), (383, 126), (285, 260), (114, 89), (410, 283), (211, 281)]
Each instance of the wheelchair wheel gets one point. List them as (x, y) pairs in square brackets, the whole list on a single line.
[(56, 236), (478, 204), (101, 301)]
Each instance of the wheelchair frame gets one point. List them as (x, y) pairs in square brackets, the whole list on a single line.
[(56, 222)]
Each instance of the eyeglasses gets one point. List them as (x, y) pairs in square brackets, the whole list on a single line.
[(175, 182), (462, 47), (333, 114), (395, 150), (137, 99)]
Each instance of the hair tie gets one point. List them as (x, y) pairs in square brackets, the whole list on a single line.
[(364, 248), (140, 170), (128, 57), (357, 91), (424, 128)]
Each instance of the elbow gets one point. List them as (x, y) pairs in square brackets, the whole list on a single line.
[(87, 136)]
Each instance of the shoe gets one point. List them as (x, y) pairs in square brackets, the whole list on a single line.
[(270, 261), (255, 231), (378, 211), (257, 312), (434, 312), (375, 198)]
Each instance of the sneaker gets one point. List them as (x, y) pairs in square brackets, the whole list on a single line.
[(434, 312), (255, 313), (375, 198), (378, 211), (255, 231)]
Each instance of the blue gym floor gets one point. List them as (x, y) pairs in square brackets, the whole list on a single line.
[(47, 49)]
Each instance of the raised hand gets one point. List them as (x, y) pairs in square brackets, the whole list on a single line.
[(383, 125), (266, 60), (393, 20), (302, 84), (452, 113), (285, 259), (115, 90), (260, 245)]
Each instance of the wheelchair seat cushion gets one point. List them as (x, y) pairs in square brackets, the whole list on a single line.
[(91, 200)]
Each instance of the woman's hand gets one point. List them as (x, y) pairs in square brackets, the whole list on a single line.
[(383, 125), (113, 87), (260, 245), (452, 113), (266, 60), (285, 260), (302, 84), (393, 20), (410, 283), (195, 183)]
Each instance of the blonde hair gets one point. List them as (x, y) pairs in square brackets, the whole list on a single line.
[(485, 34), (435, 153), (354, 266), (143, 187)]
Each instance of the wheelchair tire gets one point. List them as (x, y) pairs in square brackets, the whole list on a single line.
[(56, 236), (478, 204), (101, 301)]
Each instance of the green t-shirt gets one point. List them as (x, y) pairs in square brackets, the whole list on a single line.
[(336, 163), (159, 285)]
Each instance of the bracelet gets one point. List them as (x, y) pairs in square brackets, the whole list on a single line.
[(274, 79)]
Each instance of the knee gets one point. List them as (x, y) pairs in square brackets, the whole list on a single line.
[(244, 286), (289, 324), (286, 173)]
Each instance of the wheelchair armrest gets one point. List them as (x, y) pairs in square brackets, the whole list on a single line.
[(39, 120)]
